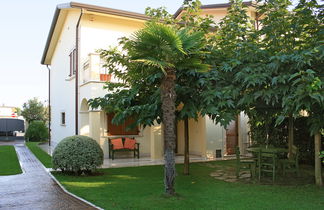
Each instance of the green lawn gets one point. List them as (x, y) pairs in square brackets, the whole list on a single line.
[(40, 154), (142, 188), (9, 163)]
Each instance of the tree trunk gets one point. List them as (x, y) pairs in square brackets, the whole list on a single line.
[(290, 135), (168, 97), (318, 164), (186, 149)]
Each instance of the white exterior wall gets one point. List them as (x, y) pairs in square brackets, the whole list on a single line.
[(243, 129), (95, 32), (215, 138), (101, 32), (63, 87), (197, 137), (216, 135), (98, 32)]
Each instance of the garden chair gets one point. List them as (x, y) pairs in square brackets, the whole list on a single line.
[(291, 164), (267, 163), (245, 164)]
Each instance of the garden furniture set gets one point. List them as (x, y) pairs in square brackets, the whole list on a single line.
[(123, 144), (268, 160)]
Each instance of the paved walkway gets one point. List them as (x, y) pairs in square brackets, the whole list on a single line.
[(34, 189)]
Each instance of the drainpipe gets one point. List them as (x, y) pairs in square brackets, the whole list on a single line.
[(49, 105), (77, 76)]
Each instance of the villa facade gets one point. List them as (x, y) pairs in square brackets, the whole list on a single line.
[(76, 75)]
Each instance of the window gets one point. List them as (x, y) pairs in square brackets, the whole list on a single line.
[(73, 61), (120, 129), (62, 118)]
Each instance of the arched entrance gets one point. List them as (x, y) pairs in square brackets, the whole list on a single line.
[(84, 118)]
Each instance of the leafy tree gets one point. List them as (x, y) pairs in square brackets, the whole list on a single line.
[(34, 109), (18, 111), (273, 72), (154, 54), (293, 44), (231, 46), (158, 60), (37, 131)]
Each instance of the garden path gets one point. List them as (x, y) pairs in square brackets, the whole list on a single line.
[(34, 189)]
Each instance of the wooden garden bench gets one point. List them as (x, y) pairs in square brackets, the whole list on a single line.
[(123, 144)]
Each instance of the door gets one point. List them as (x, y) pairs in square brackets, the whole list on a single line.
[(121, 129), (231, 137)]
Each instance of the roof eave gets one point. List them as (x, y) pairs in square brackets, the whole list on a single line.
[(212, 6), (51, 31), (110, 11), (87, 7)]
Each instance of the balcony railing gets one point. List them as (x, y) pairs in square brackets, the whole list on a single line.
[(93, 70)]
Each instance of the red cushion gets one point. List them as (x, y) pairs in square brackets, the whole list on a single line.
[(129, 143), (117, 143)]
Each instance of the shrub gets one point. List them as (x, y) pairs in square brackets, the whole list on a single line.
[(77, 154), (37, 131)]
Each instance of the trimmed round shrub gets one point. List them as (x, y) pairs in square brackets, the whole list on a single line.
[(77, 155), (37, 131)]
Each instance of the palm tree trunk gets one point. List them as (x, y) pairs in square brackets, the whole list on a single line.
[(168, 97), (186, 149)]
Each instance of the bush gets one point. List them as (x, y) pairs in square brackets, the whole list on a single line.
[(77, 154), (37, 131)]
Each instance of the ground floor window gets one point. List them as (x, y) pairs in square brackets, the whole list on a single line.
[(114, 129)]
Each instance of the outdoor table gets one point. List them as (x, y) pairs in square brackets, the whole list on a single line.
[(276, 150)]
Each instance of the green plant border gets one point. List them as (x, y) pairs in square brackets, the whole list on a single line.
[(41, 155)]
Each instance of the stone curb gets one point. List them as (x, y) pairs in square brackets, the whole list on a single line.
[(48, 170)]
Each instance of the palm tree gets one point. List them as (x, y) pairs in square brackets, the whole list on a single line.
[(160, 47)]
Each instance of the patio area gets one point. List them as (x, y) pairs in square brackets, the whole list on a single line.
[(147, 161), (128, 161)]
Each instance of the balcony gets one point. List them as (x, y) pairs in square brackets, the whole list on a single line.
[(93, 71)]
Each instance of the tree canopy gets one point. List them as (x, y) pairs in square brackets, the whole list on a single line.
[(138, 92), (158, 67), (269, 66), (33, 110)]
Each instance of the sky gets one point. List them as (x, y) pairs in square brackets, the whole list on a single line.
[(24, 26)]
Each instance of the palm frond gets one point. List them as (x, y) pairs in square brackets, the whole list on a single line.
[(157, 34), (155, 63), (191, 40)]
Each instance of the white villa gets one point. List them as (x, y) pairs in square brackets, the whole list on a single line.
[(76, 75)]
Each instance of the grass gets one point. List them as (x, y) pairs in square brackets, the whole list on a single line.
[(40, 154), (142, 188), (9, 163)]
